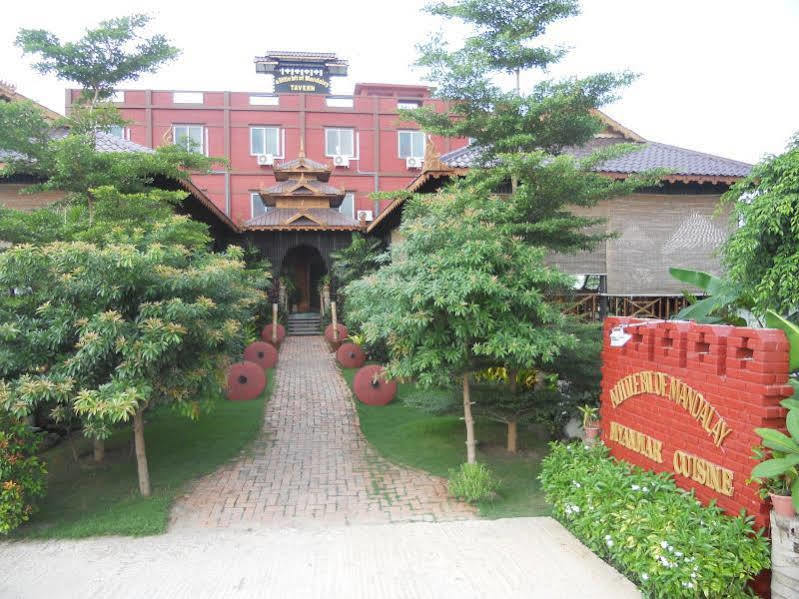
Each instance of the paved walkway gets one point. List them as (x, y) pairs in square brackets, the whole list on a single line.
[(508, 559), (312, 466)]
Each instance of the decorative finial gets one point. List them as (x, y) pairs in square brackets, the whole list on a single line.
[(302, 147), (432, 159)]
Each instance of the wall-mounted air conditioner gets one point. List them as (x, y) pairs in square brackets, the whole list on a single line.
[(341, 161), (413, 162), (266, 159), (365, 215)]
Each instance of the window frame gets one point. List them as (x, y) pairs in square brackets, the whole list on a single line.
[(184, 97), (204, 149), (124, 130), (399, 143), (355, 142), (252, 204), (409, 104), (281, 139)]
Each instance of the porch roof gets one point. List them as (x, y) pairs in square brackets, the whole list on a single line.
[(302, 219)]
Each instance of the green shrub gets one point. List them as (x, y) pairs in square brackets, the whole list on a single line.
[(22, 475), (433, 401), (473, 483), (660, 536)]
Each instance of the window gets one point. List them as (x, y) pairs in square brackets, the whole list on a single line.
[(408, 104), (340, 142), (257, 204), (187, 97), (191, 137), (117, 97), (264, 101), (348, 205), (265, 140), (411, 144), (118, 131), (339, 102)]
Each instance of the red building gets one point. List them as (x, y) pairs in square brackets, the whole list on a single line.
[(360, 135)]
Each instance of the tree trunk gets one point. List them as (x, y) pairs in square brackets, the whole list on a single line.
[(471, 457), (512, 437), (141, 455), (513, 444), (99, 450)]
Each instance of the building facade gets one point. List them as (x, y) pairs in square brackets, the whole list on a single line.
[(360, 136), (299, 167)]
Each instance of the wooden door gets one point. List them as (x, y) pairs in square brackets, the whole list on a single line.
[(302, 280)]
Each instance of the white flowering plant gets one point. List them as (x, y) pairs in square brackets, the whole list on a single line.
[(658, 535)]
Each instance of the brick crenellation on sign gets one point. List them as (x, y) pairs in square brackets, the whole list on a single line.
[(685, 398)]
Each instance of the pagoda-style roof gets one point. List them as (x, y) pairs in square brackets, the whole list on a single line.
[(302, 165), (302, 188), (302, 200), (303, 219)]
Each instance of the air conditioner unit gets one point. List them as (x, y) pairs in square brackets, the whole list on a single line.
[(341, 161), (266, 159), (364, 215), (413, 162)]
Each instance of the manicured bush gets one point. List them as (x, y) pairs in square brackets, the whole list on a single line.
[(658, 535), (473, 483), (22, 475)]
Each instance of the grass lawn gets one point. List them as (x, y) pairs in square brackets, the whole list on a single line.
[(409, 436), (84, 499)]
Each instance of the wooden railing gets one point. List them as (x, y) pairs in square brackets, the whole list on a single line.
[(588, 306)]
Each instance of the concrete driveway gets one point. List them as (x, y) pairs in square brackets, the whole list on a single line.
[(499, 559)]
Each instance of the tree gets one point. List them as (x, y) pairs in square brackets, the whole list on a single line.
[(450, 301), (469, 287), (118, 305), (762, 254), (362, 257), (104, 57), (141, 315)]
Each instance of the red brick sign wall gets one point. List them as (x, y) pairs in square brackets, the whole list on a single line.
[(685, 398)]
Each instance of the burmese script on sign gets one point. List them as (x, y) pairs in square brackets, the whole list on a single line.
[(673, 389)]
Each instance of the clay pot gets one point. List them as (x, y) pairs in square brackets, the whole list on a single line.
[(783, 505), (591, 432), (266, 334), (351, 355), (245, 381), (262, 353), (372, 388), (342, 335)]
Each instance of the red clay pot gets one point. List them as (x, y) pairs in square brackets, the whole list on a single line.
[(351, 355), (591, 432), (783, 505), (245, 381), (371, 387), (266, 334), (342, 335), (262, 353)]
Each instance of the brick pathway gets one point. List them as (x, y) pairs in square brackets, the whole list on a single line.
[(311, 465)]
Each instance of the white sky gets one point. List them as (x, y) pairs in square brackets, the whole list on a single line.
[(717, 76)]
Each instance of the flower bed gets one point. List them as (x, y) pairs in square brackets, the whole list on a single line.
[(658, 535)]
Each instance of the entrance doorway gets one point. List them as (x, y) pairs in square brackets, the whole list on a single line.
[(303, 269)]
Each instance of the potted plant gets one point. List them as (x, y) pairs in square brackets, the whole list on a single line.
[(590, 422), (779, 474)]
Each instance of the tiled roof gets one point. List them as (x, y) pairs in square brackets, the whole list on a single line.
[(298, 56), (302, 218), (111, 143), (651, 155), (290, 185)]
